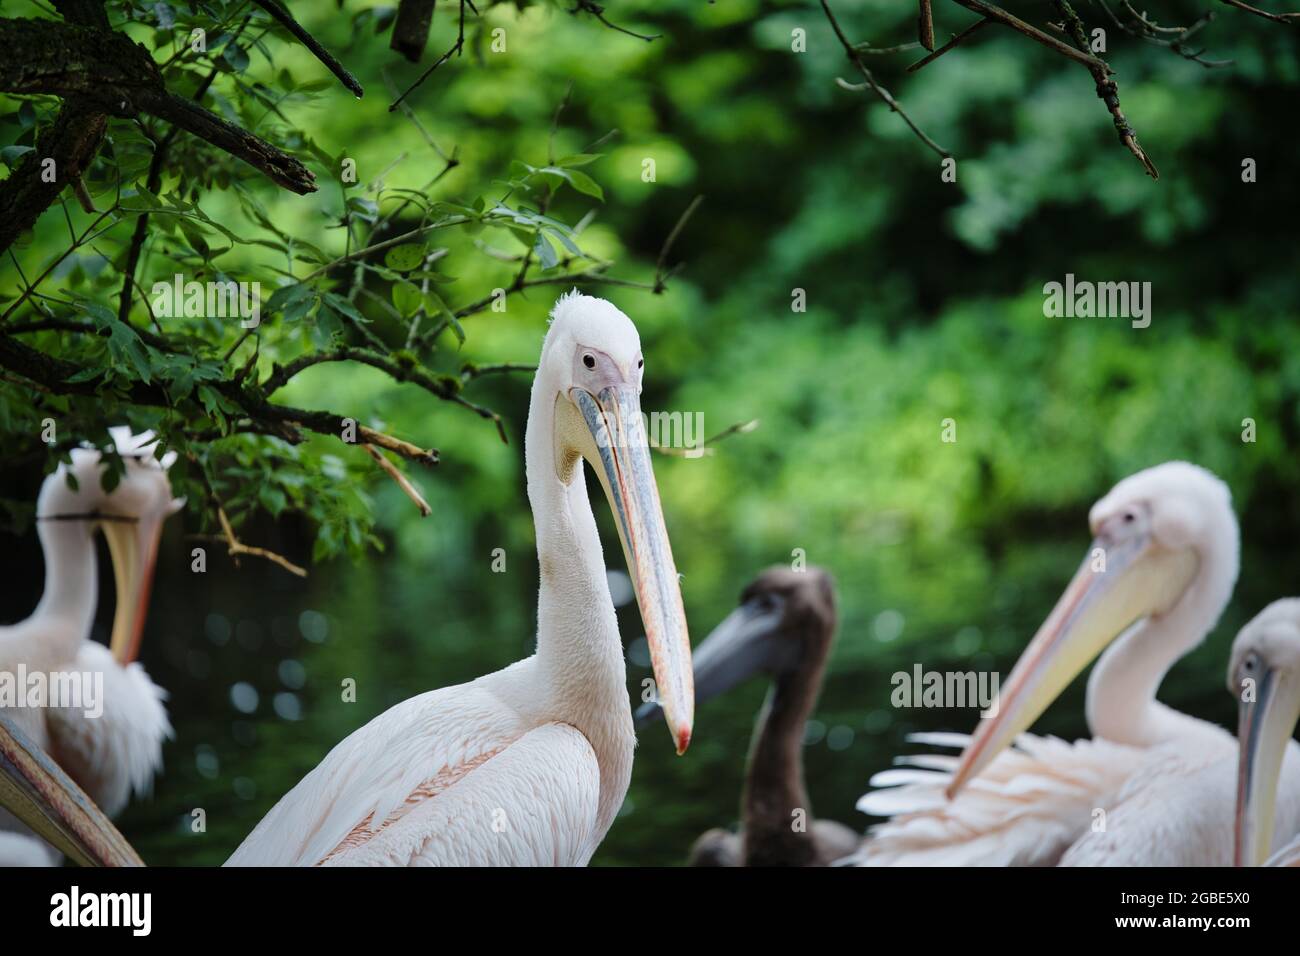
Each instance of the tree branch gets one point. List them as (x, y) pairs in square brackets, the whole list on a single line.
[(72, 142), (120, 77), (56, 375), (402, 481), (885, 96), (925, 26), (597, 11), (283, 17), (455, 48), (1107, 89), (411, 28), (959, 38), (1020, 26), (153, 180), (1293, 19)]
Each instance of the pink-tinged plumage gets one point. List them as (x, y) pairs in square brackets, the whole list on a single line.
[(1026, 809), (527, 766), (466, 775), (1047, 802)]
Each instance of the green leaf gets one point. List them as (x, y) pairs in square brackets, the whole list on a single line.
[(236, 56), (577, 179), (299, 308), (578, 159), (287, 294), (585, 184), (272, 499), (565, 241), (10, 155), (405, 258), (544, 251), (407, 298), (327, 325), (341, 304)]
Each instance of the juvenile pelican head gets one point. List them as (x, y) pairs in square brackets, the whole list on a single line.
[(1155, 535), (1264, 676), (131, 516), (590, 375), (785, 622)]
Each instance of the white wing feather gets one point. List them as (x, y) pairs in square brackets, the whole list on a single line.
[(533, 804), (23, 848), (399, 770), (1178, 811), (1289, 855), (119, 752), (1025, 809)]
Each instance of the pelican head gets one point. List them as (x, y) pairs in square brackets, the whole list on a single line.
[(131, 516), (1165, 541), (590, 377), (1264, 676), (785, 621)]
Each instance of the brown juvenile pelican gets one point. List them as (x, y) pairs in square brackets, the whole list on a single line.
[(783, 628)]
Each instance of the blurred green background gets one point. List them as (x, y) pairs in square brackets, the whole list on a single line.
[(924, 302)]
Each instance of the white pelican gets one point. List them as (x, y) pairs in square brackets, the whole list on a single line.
[(1176, 812), (1264, 676), (527, 766), (1157, 577), (113, 753), (783, 629)]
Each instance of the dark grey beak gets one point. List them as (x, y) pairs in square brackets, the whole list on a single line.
[(746, 642)]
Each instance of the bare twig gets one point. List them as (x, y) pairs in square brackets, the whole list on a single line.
[(959, 38), (856, 59), (1020, 26), (282, 16), (1292, 19), (1107, 89), (411, 28), (469, 371), (586, 277), (1173, 39), (707, 447), (925, 26), (866, 49), (662, 274), (402, 482), (235, 547), (597, 11), (455, 49)]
